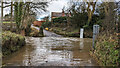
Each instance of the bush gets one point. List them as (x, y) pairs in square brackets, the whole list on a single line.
[(60, 20), (36, 33), (107, 52), (79, 19), (11, 42)]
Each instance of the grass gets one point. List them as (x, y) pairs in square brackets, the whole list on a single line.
[(68, 32), (8, 22)]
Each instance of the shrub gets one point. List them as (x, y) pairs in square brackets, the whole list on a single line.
[(46, 24), (107, 53), (11, 42), (60, 20)]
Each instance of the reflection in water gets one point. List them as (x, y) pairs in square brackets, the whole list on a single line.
[(52, 51), (81, 43)]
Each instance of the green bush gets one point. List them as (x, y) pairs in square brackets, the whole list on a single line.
[(79, 19), (60, 20), (107, 53), (46, 24), (11, 42)]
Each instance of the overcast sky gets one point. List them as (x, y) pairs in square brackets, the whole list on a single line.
[(54, 6)]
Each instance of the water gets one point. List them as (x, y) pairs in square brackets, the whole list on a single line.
[(52, 51), (50, 34)]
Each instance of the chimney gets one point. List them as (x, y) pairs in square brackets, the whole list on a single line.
[(63, 13)]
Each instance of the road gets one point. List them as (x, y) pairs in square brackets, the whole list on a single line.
[(50, 34), (52, 51)]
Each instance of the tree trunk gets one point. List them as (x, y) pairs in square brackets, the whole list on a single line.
[(11, 14), (22, 32), (119, 36), (1, 12), (1, 17)]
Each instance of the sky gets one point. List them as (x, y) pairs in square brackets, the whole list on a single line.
[(54, 6), (5, 10)]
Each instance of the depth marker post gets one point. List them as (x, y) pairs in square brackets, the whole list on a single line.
[(95, 33)]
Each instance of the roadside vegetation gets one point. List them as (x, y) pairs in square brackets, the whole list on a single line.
[(107, 49), (11, 42), (8, 22), (17, 25)]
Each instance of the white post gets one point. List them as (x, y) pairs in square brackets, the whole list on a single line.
[(81, 32)]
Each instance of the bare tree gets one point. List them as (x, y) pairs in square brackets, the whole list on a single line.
[(91, 9)]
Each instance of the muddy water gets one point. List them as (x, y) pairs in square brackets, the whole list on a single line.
[(52, 51)]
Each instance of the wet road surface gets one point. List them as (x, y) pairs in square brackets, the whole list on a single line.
[(52, 51), (50, 34)]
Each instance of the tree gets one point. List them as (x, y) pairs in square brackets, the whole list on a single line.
[(24, 12), (91, 10), (83, 7)]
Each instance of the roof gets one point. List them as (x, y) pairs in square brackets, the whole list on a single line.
[(56, 14)]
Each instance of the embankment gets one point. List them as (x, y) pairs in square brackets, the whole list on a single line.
[(107, 51), (69, 32), (11, 42)]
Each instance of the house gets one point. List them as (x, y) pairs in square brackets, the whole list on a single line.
[(59, 14), (38, 23)]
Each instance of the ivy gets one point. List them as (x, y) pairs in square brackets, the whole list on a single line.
[(107, 53)]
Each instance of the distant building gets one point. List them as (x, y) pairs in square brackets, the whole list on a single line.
[(38, 23), (59, 14)]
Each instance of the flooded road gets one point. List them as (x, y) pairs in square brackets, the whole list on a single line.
[(50, 34), (52, 51)]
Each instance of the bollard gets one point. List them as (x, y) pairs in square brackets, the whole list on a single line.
[(81, 32), (95, 33)]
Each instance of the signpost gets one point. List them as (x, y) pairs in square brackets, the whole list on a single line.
[(95, 33)]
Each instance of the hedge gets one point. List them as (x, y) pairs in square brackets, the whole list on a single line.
[(11, 42), (107, 52)]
